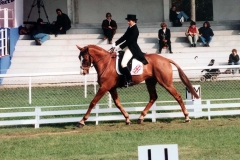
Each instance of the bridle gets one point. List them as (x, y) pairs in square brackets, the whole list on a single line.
[(90, 60)]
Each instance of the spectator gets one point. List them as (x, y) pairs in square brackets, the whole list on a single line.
[(109, 28), (206, 34), (192, 34), (233, 58), (175, 17), (39, 32), (164, 36), (62, 24)]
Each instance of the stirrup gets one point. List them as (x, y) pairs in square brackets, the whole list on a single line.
[(128, 84)]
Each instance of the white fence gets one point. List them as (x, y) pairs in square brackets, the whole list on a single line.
[(3, 42), (206, 110), (39, 115), (6, 18)]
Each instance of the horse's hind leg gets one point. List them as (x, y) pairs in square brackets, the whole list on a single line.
[(171, 89), (116, 100), (151, 86)]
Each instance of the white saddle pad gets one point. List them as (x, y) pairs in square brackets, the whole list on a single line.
[(137, 67)]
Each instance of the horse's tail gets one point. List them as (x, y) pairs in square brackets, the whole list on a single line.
[(185, 79)]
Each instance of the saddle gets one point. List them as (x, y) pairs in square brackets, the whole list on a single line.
[(135, 67)]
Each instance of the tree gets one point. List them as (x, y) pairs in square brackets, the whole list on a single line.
[(193, 10), (204, 8)]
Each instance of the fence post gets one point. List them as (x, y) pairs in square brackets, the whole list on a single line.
[(97, 110), (5, 17), (1, 43), (30, 90), (191, 100), (85, 86), (6, 41), (95, 83), (109, 100), (37, 116), (209, 109), (154, 112)]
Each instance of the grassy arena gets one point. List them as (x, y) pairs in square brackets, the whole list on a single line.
[(201, 139)]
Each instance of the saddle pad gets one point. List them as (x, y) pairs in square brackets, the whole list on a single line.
[(137, 67)]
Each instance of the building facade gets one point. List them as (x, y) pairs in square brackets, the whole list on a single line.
[(93, 11)]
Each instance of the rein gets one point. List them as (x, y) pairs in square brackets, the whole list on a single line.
[(94, 64)]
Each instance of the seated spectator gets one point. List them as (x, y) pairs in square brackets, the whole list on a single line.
[(164, 36), (206, 34), (62, 24), (109, 28), (175, 17), (192, 34), (233, 58), (39, 32)]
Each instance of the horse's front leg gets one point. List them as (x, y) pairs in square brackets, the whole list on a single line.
[(97, 97), (116, 100)]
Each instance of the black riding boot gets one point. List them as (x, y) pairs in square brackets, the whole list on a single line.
[(128, 77)]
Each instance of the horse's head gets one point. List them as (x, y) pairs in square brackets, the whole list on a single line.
[(85, 60)]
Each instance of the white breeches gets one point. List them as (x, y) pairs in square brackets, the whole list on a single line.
[(126, 57)]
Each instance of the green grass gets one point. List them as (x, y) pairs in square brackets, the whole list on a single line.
[(201, 139)]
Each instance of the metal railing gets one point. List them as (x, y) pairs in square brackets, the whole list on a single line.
[(6, 18), (3, 42), (64, 97)]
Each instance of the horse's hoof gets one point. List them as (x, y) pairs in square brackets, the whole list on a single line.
[(80, 125), (128, 123), (140, 121), (187, 120)]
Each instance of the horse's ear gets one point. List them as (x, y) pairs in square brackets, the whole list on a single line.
[(79, 47)]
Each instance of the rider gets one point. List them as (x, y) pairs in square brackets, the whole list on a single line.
[(130, 47)]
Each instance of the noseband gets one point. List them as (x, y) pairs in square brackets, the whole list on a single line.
[(89, 61)]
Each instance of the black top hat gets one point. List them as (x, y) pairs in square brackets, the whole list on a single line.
[(131, 17)]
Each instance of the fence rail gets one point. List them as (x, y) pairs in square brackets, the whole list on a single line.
[(59, 103), (3, 42), (168, 112), (6, 17)]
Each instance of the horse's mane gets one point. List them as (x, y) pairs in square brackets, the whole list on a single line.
[(96, 47)]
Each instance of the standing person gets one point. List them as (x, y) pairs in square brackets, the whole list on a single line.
[(206, 34), (164, 36), (62, 24), (39, 32), (175, 17), (109, 28), (192, 34), (130, 47)]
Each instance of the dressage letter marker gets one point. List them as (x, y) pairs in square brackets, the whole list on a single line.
[(158, 152), (166, 153), (149, 154)]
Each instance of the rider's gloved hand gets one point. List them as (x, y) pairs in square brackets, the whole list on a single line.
[(113, 45), (117, 48)]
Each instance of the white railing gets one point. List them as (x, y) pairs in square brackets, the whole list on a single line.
[(93, 77), (87, 78), (39, 112), (206, 110), (6, 17), (3, 42)]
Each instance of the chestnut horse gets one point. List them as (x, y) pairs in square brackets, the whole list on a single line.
[(158, 70)]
